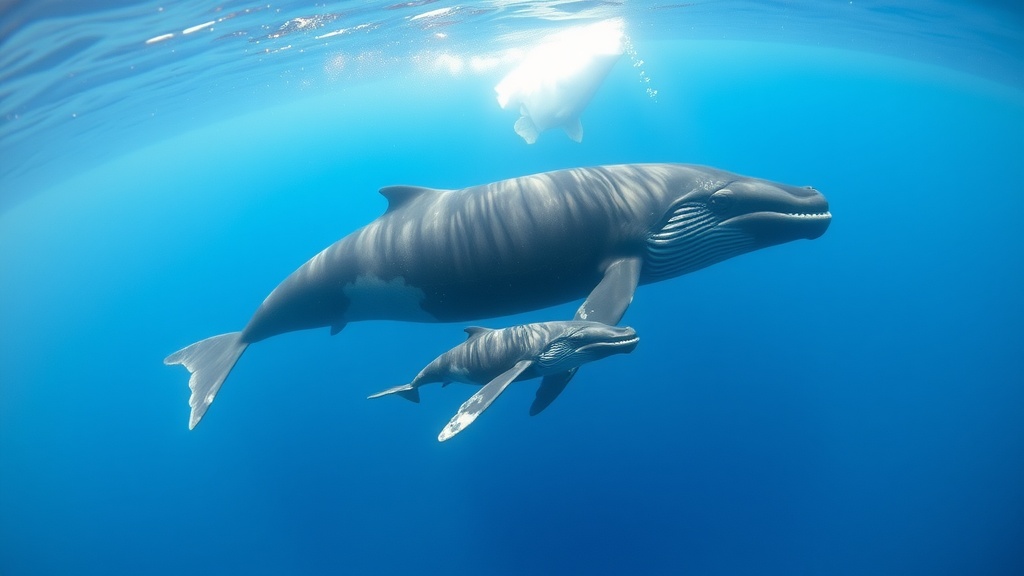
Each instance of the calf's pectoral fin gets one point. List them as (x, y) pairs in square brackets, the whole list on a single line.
[(479, 402), (550, 387), (607, 304)]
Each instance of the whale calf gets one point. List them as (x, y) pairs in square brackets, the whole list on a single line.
[(519, 245), (496, 358)]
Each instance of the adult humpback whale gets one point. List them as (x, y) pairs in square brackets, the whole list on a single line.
[(519, 245)]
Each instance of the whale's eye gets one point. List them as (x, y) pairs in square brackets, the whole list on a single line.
[(721, 201)]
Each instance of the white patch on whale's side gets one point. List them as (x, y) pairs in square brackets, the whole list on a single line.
[(370, 297), (556, 79)]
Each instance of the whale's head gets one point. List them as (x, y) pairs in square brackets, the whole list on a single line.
[(580, 342), (720, 215)]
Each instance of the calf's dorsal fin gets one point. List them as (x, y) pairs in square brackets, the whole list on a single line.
[(475, 331)]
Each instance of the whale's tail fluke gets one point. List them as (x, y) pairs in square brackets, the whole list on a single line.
[(209, 361), (407, 391)]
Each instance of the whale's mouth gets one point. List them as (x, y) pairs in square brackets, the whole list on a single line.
[(624, 344), (694, 235), (826, 215), (777, 227)]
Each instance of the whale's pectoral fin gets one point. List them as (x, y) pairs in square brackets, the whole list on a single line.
[(609, 300), (479, 402), (407, 391), (607, 303), (209, 361)]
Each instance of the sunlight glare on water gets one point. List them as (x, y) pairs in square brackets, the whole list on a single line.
[(79, 71)]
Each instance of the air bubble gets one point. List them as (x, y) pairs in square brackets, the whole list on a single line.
[(638, 63)]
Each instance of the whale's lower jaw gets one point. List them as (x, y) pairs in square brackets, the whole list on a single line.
[(694, 237), (568, 358), (691, 239), (667, 261), (777, 227)]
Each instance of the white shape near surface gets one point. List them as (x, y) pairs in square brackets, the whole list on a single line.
[(558, 77)]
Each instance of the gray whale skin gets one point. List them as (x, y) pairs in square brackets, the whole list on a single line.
[(518, 245)]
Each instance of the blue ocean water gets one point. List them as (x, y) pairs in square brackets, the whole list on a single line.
[(847, 405)]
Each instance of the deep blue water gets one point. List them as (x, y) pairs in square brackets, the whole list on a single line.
[(848, 405)]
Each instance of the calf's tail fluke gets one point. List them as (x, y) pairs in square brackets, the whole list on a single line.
[(407, 391), (209, 361)]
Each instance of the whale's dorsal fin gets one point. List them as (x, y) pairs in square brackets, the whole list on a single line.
[(398, 196), (475, 331)]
